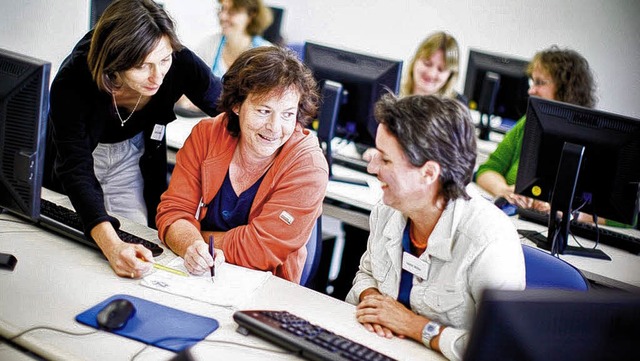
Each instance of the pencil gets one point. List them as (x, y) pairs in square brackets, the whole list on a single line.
[(213, 255), (166, 268), (169, 269)]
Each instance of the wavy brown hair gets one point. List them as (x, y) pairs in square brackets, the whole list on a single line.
[(263, 71), (571, 75), (125, 34)]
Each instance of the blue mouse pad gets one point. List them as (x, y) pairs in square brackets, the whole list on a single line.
[(156, 325)]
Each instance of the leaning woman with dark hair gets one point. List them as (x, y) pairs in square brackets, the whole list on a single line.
[(252, 179), (435, 244), (110, 103)]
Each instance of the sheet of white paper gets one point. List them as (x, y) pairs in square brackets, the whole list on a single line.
[(232, 286)]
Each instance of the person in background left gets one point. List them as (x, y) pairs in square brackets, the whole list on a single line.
[(110, 102), (435, 244), (254, 177), (242, 23)]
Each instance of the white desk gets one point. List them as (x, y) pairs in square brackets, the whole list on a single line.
[(55, 279)]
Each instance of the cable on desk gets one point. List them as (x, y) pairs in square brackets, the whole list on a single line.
[(14, 221), (251, 347), (156, 342), (12, 339)]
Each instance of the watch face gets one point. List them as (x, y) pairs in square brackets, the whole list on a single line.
[(431, 330)]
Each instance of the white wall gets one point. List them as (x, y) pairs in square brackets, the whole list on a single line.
[(606, 32)]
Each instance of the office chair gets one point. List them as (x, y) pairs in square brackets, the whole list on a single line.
[(314, 251), (546, 271)]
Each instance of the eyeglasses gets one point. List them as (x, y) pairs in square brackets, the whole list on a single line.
[(538, 82), (229, 11)]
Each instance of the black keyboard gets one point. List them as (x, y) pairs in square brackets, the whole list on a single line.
[(359, 165), (300, 336), (586, 230), (67, 222)]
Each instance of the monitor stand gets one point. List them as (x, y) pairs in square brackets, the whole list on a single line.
[(562, 205), (331, 95), (487, 101)]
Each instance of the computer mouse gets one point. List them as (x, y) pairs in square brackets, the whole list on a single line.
[(508, 208), (115, 314)]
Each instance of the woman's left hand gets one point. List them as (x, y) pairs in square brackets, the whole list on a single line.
[(386, 315)]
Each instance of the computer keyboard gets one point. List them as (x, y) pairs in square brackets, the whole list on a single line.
[(356, 164), (587, 230), (300, 336), (67, 222)]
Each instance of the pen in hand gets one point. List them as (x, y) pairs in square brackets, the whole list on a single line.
[(213, 255)]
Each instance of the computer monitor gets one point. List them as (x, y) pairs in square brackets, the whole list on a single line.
[(24, 100), (552, 324), (272, 32), (363, 78), (582, 159), (496, 85)]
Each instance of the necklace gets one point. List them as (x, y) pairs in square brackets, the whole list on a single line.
[(130, 115)]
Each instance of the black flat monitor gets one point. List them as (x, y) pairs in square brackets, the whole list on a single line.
[(363, 78), (272, 32), (24, 101), (579, 159), (496, 85), (552, 324)]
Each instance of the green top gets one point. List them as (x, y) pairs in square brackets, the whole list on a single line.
[(504, 160)]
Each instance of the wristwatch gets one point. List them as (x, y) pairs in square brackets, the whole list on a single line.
[(430, 330)]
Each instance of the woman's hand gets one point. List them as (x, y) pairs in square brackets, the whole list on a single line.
[(128, 260), (385, 316), (197, 258)]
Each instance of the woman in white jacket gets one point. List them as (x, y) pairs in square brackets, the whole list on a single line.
[(434, 246)]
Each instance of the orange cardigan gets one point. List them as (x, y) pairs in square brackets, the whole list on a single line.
[(283, 213)]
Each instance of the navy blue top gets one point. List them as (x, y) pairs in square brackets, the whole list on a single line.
[(228, 210), (406, 278)]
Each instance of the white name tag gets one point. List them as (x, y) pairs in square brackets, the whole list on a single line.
[(414, 265), (158, 132)]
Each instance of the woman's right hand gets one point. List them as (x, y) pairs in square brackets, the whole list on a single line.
[(197, 258), (126, 259)]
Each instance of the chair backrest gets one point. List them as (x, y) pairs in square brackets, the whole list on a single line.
[(314, 250), (547, 271)]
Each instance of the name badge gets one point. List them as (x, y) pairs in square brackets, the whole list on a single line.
[(414, 265), (158, 132)]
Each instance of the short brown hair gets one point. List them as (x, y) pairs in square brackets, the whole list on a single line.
[(260, 15), (125, 34), (261, 71), (430, 127)]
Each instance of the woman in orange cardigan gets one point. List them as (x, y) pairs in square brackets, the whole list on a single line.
[(252, 178)]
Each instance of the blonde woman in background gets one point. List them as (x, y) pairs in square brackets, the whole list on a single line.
[(434, 68)]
